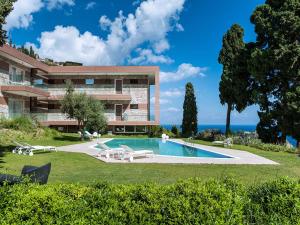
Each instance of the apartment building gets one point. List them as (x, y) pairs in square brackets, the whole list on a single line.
[(30, 87)]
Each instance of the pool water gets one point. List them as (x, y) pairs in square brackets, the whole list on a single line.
[(160, 147)]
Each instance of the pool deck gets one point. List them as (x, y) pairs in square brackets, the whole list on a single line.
[(239, 157)]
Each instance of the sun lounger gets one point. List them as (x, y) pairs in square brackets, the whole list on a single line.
[(19, 147), (31, 148), (107, 151), (36, 174), (226, 143), (131, 154)]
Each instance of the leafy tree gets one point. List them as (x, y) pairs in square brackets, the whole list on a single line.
[(88, 112), (96, 121), (275, 61), (189, 121), (6, 7), (175, 131), (294, 112), (235, 84)]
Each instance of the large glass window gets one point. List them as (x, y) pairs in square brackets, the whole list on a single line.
[(134, 106), (119, 129), (16, 76), (38, 82), (89, 81), (129, 129), (140, 129)]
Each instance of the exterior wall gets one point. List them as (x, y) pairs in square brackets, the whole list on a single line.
[(4, 79), (138, 92)]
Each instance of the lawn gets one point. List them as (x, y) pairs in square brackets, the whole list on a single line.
[(80, 168)]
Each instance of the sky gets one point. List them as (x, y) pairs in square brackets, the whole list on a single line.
[(183, 37)]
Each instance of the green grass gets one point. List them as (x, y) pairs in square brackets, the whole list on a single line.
[(80, 168), (60, 140)]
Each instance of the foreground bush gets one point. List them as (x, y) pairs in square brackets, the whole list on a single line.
[(186, 202)]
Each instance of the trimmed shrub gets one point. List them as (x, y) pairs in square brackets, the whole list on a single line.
[(186, 202), (22, 123), (276, 202), (155, 131)]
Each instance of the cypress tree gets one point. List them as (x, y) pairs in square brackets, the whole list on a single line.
[(235, 85), (189, 120)]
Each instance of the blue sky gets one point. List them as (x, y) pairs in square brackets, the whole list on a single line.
[(183, 37)]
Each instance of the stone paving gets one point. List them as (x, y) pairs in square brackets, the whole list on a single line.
[(238, 157)]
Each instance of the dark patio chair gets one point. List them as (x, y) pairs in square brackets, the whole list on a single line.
[(35, 174)]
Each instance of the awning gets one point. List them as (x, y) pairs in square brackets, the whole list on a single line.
[(27, 91)]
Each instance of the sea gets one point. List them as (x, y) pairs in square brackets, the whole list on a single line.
[(234, 128)]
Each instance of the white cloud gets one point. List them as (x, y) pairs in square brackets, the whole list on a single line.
[(161, 46), (66, 43), (183, 71), (146, 56), (104, 22), (172, 93), (148, 26), (54, 4), (172, 109), (162, 101), (90, 5), (21, 16)]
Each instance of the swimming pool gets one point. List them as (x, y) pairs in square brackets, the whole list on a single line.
[(167, 148)]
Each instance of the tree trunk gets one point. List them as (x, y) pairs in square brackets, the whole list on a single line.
[(283, 137), (229, 108)]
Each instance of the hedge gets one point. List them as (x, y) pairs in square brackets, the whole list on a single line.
[(186, 202)]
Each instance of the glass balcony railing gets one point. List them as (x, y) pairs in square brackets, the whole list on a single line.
[(35, 116)]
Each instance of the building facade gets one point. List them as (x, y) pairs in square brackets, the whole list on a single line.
[(30, 87)]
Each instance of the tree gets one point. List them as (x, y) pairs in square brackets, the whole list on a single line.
[(189, 121), (96, 121), (235, 84), (275, 61), (6, 7), (88, 112), (294, 112), (175, 130)]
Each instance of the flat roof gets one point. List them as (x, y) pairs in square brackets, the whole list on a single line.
[(19, 57)]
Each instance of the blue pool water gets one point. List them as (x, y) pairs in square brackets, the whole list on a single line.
[(163, 148)]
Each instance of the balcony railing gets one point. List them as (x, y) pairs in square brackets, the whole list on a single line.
[(35, 116)]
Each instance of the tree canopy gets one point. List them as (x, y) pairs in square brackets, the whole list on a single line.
[(274, 65), (235, 84), (6, 7), (189, 121), (88, 111)]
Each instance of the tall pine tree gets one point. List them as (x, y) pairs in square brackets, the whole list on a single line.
[(235, 85), (275, 65), (5, 7), (189, 121)]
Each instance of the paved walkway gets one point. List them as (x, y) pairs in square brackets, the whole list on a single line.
[(239, 157)]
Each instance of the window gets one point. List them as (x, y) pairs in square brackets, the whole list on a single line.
[(119, 129), (134, 81), (129, 129), (140, 129), (134, 106), (38, 82), (89, 81)]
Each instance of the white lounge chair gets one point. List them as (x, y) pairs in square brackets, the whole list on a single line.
[(131, 154), (31, 148), (88, 134), (19, 147), (226, 143), (107, 151)]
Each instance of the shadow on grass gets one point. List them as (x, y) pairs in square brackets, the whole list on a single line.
[(3, 150), (67, 138)]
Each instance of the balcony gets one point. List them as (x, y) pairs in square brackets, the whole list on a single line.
[(22, 89)]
